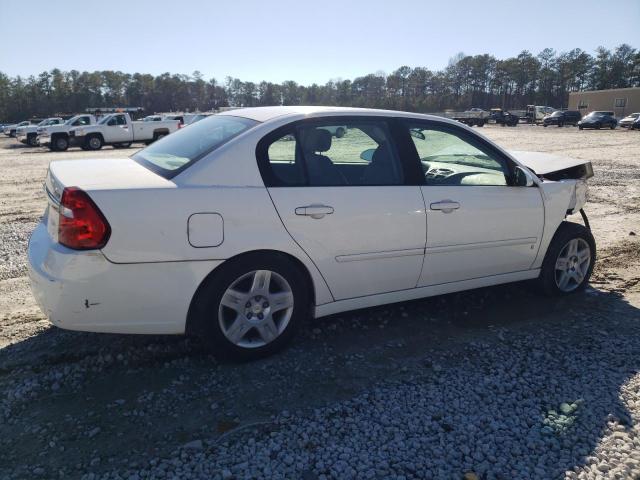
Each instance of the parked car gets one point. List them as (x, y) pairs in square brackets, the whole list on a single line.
[(598, 120), (627, 121), (28, 134), (10, 130), (562, 118), (56, 137), (118, 130), (503, 117), (636, 124), (238, 234)]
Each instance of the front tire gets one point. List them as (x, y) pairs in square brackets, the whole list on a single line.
[(251, 307), (59, 144), (569, 261), (94, 142), (32, 140)]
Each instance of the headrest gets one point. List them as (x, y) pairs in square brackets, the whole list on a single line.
[(316, 140)]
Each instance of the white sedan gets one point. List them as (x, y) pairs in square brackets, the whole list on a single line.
[(242, 225)]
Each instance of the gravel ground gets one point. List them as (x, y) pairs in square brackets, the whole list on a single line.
[(493, 383)]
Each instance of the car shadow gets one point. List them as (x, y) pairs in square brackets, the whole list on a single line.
[(501, 355)]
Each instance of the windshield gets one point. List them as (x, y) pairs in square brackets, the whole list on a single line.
[(177, 151)]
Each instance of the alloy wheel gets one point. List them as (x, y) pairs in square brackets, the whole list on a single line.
[(255, 309), (572, 264)]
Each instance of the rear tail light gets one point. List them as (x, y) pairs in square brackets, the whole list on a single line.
[(82, 225)]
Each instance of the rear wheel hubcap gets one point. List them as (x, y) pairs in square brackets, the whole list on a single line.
[(255, 309)]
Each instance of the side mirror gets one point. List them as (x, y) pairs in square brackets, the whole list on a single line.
[(367, 155), (523, 177)]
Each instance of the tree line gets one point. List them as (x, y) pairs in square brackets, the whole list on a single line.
[(468, 81)]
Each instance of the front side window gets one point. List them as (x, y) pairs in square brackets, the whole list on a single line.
[(346, 153), (448, 158), (186, 146), (82, 121)]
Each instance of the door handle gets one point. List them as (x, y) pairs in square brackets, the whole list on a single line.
[(445, 206), (314, 211)]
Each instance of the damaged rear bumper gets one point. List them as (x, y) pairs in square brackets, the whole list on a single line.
[(83, 290)]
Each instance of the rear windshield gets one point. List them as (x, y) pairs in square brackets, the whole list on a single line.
[(178, 151)]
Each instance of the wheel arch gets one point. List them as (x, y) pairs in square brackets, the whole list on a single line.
[(96, 134), (59, 134), (192, 327), (160, 131)]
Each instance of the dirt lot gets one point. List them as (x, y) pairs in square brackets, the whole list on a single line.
[(77, 404)]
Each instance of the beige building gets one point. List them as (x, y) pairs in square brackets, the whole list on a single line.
[(620, 101)]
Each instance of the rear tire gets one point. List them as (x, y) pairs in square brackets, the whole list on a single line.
[(241, 322), (158, 136), (569, 261), (122, 145)]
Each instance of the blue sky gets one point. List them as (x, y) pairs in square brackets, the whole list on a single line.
[(304, 41)]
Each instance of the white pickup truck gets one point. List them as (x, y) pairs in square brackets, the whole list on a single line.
[(28, 134), (56, 137), (10, 130), (118, 130)]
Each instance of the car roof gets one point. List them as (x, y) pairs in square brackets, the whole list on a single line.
[(265, 114)]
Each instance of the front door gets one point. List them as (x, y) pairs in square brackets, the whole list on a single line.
[(118, 130), (478, 223), (339, 188)]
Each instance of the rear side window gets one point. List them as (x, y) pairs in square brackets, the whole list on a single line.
[(348, 153), (178, 151)]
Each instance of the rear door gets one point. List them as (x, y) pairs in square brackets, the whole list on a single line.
[(347, 202), (478, 223)]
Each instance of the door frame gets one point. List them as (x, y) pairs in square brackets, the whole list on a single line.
[(405, 152)]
